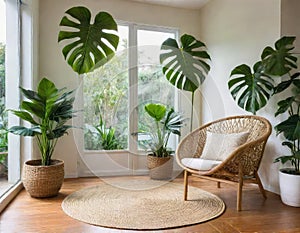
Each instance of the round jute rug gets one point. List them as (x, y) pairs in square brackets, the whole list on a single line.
[(142, 205)]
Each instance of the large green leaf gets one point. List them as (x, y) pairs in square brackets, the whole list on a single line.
[(90, 45), (290, 128), (23, 131), (185, 66), (33, 108), (250, 89), (156, 111), (59, 131), (286, 84), (47, 89), (285, 105), (173, 122), (32, 95), (280, 61), (25, 116)]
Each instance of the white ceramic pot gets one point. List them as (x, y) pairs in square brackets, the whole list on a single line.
[(289, 188)]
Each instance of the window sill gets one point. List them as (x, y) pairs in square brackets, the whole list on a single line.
[(10, 195)]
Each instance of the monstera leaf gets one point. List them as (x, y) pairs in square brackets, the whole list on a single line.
[(91, 45), (251, 90), (279, 61), (184, 66), (290, 128)]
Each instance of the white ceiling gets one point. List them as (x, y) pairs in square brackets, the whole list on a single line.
[(187, 4)]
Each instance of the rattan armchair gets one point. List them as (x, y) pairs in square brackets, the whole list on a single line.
[(242, 164)]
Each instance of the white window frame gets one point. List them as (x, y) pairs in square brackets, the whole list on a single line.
[(129, 161), (133, 87), (21, 66)]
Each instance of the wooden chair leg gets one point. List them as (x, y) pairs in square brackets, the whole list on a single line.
[(239, 191), (186, 182), (261, 188)]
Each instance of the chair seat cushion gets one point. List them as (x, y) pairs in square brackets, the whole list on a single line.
[(219, 146), (200, 164)]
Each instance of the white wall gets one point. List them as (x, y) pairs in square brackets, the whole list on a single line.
[(236, 32), (53, 66), (290, 20)]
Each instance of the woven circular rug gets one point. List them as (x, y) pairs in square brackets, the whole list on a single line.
[(142, 205)]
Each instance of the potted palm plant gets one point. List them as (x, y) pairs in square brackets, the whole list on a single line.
[(165, 122), (47, 110), (252, 90)]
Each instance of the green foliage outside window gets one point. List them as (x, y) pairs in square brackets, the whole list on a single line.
[(105, 97), (102, 137), (3, 113)]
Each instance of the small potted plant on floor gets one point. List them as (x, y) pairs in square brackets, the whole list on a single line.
[(47, 110), (165, 122)]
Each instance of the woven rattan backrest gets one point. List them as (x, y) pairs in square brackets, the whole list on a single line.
[(256, 126)]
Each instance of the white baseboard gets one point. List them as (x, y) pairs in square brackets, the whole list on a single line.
[(71, 175)]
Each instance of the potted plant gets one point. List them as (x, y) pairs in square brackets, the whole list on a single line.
[(289, 177), (47, 110), (165, 122), (282, 62), (252, 90)]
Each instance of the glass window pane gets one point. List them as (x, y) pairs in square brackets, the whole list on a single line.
[(105, 101), (152, 85), (3, 115)]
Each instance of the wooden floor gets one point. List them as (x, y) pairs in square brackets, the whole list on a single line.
[(29, 215)]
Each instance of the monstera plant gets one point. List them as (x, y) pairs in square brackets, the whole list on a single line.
[(185, 65), (252, 92), (90, 45)]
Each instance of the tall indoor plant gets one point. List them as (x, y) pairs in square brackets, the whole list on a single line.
[(164, 123), (47, 110), (281, 61), (185, 64), (252, 90)]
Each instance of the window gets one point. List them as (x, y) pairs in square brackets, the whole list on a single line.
[(20, 23), (3, 115), (9, 98), (115, 94)]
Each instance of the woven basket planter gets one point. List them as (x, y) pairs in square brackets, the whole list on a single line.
[(160, 168), (43, 181)]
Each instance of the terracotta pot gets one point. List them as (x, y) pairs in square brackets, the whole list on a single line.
[(43, 181), (160, 168), (289, 188)]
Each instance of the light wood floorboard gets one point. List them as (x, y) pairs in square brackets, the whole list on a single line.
[(29, 215)]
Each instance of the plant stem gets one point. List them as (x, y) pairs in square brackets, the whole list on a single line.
[(160, 142), (192, 111)]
